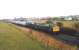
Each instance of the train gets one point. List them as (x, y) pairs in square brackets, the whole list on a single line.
[(54, 28), (45, 27)]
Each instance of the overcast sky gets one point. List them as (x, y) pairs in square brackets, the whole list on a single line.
[(42, 8)]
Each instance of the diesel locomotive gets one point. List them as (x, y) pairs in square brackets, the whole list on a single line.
[(53, 28)]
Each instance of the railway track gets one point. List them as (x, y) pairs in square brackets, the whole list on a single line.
[(71, 40)]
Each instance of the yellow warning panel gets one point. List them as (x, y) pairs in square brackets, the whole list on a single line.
[(56, 29)]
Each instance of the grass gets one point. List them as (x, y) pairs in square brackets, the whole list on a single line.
[(68, 24), (74, 25), (12, 38)]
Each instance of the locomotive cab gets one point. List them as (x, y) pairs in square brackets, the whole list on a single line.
[(56, 28)]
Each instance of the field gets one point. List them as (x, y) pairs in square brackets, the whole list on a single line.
[(11, 38), (69, 24)]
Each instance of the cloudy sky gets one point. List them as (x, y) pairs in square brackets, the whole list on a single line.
[(38, 8)]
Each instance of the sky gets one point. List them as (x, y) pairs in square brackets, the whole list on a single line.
[(37, 8)]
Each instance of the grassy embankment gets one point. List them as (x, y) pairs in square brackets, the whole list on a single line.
[(12, 38)]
